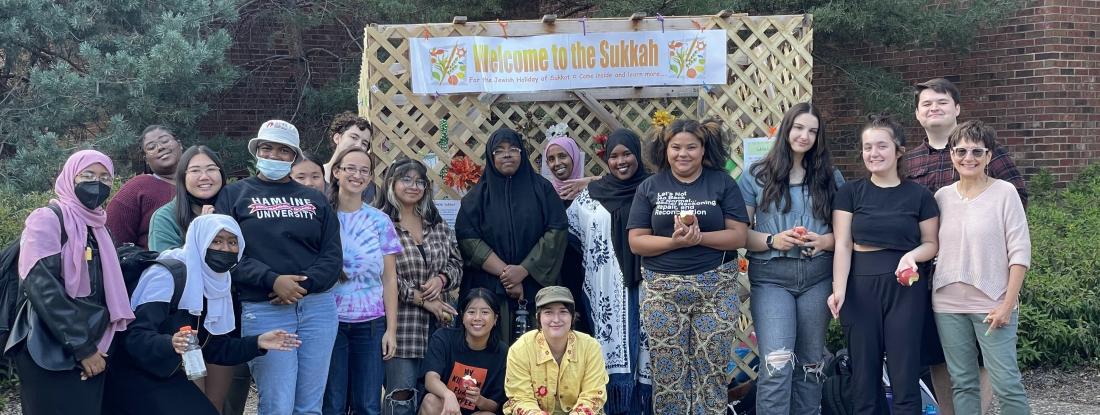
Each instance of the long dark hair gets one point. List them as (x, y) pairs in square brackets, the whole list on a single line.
[(773, 172), (185, 202), (490, 299), (333, 184), (709, 132), (387, 200)]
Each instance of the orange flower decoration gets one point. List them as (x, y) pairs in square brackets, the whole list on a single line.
[(462, 173), (742, 265)]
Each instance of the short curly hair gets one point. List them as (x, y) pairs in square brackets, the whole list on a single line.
[(345, 120)]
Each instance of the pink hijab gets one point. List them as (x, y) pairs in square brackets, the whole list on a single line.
[(42, 238), (574, 153)]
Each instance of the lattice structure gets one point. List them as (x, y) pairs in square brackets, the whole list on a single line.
[(769, 65)]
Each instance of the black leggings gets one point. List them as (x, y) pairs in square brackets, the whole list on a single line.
[(879, 315)]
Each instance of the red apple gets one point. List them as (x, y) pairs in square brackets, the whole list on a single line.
[(687, 217), (469, 381), (908, 277)]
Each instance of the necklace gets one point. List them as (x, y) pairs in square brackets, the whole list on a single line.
[(969, 194)]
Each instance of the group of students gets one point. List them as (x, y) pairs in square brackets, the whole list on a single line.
[(345, 289)]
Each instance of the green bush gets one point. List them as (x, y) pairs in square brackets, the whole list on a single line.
[(1060, 302), (14, 211)]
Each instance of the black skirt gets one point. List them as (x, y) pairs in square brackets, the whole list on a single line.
[(47, 392)]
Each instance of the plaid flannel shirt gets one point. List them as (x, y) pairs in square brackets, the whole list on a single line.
[(413, 269), (932, 169)]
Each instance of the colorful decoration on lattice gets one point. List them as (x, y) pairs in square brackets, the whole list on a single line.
[(662, 118), (599, 143), (560, 129), (462, 173)]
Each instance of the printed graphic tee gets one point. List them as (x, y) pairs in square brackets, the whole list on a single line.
[(451, 358), (713, 197)]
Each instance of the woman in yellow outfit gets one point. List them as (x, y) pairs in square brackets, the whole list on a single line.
[(555, 370)]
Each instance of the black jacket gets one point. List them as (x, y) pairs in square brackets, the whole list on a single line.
[(147, 342), (59, 330)]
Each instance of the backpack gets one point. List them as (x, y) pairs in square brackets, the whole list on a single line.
[(836, 392), (11, 294), (134, 261)]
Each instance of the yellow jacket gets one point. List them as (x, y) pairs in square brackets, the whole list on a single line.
[(535, 383)]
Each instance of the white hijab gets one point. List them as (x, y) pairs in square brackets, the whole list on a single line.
[(156, 284)]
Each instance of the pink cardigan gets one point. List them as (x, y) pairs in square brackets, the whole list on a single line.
[(981, 238)]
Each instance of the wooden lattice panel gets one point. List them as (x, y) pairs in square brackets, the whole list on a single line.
[(769, 63)]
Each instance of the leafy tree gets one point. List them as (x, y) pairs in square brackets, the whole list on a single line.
[(95, 73)]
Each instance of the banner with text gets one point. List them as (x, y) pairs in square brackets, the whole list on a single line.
[(449, 65)]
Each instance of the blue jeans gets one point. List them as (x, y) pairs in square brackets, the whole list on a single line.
[(402, 378), (790, 314), (292, 382), (355, 376), (961, 335)]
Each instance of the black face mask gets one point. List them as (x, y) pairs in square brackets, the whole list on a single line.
[(220, 261), (92, 194)]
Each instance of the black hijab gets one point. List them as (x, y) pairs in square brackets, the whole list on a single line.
[(512, 213), (616, 196)]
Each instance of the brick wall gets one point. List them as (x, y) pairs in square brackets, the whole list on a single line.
[(274, 71), (1035, 78)]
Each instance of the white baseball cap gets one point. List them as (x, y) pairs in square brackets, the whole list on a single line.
[(277, 131)]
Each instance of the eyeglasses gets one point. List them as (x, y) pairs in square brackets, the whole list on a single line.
[(209, 172), (363, 171), (91, 177), (152, 146), (500, 152), (960, 152), (411, 182)]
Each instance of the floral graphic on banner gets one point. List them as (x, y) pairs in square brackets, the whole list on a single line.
[(687, 59), (449, 67)]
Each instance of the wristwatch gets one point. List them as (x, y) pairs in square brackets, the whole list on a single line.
[(769, 241)]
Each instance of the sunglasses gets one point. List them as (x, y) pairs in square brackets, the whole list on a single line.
[(976, 152)]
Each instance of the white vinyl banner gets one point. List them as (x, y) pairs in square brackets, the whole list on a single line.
[(472, 64)]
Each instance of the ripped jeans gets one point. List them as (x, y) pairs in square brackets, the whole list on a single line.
[(790, 314), (402, 386)]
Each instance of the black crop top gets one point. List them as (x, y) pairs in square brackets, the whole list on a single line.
[(886, 217)]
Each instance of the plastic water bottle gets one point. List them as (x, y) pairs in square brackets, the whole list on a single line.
[(930, 409), (193, 363)]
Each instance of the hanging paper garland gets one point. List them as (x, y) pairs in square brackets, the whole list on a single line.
[(444, 141)]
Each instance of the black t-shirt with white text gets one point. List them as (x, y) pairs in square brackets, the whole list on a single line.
[(713, 197)]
